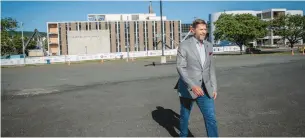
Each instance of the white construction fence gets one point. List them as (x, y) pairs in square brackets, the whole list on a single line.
[(106, 56)]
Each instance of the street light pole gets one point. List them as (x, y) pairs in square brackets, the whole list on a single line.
[(163, 58), (162, 33)]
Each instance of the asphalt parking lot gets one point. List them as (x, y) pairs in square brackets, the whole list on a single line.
[(258, 96)]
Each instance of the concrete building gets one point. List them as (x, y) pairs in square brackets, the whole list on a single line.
[(185, 28), (124, 17), (105, 33), (271, 39)]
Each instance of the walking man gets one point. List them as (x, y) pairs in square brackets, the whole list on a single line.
[(197, 82)]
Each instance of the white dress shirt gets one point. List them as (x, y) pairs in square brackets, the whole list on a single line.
[(201, 50)]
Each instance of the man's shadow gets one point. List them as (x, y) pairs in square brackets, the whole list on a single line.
[(168, 119)]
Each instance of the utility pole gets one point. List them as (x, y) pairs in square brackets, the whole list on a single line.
[(163, 58), (23, 48)]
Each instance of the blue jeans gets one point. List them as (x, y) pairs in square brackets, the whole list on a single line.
[(206, 106)]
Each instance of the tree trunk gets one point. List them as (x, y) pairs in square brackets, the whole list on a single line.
[(241, 49), (291, 46)]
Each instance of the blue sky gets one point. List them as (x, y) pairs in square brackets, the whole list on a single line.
[(35, 14)]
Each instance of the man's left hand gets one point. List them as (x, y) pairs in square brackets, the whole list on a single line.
[(214, 95)]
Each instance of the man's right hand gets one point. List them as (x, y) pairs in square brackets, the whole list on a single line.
[(197, 90)]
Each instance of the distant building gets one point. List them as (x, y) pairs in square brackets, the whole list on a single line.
[(185, 28), (151, 16), (271, 39), (109, 33), (124, 17)]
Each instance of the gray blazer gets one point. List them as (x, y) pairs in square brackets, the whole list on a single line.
[(191, 71)]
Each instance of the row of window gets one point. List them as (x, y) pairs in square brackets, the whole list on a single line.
[(145, 34), (156, 38), (267, 15), (106, 25)]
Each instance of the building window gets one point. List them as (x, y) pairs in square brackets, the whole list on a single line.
[(145, 35), (185, 28), (109, 29), (153, 33), (179, 32), (126, 24), (156, 35), (60, 44), (277, 14), (67, 47), (170, 34), (137, 36), (117, 29), (259, 15), (267, 15)]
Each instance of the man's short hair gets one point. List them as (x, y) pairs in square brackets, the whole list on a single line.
[(198, 21)]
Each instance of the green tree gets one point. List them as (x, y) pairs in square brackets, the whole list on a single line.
[(7, 24), (304, 28), (32, 44), (290, 27), (17, 44), (45, 44), (6, 44), (240, 28)]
